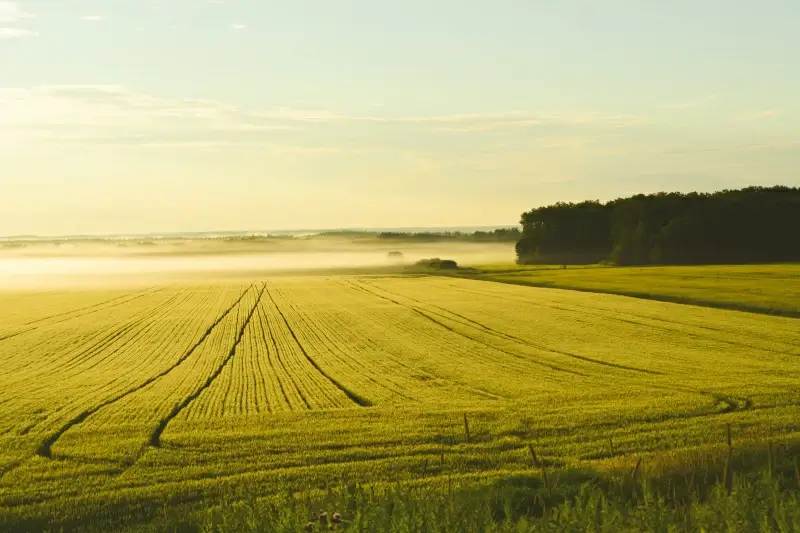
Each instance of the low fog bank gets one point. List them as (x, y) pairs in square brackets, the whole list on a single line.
[(90, 269)]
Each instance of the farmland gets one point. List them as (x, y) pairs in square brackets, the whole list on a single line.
[(118, 401), (770, 289)]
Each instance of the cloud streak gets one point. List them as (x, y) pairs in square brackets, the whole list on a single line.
[(111, 113), (760, 115), (10, 12), (700, 102), (16, 33)]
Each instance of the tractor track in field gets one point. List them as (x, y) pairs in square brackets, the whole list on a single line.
[(90, 347), (554, 431), (279, 361), (155, 436), (497, 334), (345, 357), (131, 296), (465, 336), (262, 319), (45, 449), (108, 340), (398, 360), (152, 320), (520, 340), (13, 465), (730, 403), (90, 344), (153, 323), (90, 310), (596, 312), (355, 398)]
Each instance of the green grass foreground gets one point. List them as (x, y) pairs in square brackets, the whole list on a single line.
[(769, 289), (751, 490)]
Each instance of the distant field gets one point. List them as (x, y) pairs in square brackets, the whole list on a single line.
[(772, 289), (116, 403)]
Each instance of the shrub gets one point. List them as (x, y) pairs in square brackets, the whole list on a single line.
[(440, 264)]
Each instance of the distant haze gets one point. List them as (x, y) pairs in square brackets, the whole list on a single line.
[(130, 117), (280, 232), (79, 265)]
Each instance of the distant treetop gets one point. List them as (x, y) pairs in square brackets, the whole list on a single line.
[(755, 224)]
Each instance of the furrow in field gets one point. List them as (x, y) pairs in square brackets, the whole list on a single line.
[(268, 374), (79, 364), (155, 436), (402, 348), (153, 399), (58, 343), (692, 317), (29, 307), (45, 449), (242, 388), (497, 333), (140, 360), (163, 395), (61, 345), (50, 400), (77, 313), (126, 361), (355, 398), (438, 322), (322, 318), (394, 345), (306, 387), (262, 397), (110, 345), (283, 363), (275, 394), (551, 321), (115, 301), (86, 383), (70, 395)]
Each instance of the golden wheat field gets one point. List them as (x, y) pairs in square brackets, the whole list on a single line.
[(179, 393)]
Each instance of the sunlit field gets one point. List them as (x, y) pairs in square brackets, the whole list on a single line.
[(772, 289), (117, 402)]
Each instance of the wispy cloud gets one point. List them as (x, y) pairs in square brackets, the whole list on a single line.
[(16, 33), (704, 148), (110, 113), (101, 113), (699, 102), (521, 119), (237, 27), (11, 12), (93, 18), (759, 115)]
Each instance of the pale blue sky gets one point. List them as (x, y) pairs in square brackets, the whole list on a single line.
[(128, 116)]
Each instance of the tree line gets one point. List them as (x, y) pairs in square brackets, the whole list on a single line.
[(755, 224), (497, 235)]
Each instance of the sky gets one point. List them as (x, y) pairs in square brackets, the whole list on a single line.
[(131, 116)]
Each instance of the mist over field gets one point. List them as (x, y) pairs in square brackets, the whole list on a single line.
[(49, 266)]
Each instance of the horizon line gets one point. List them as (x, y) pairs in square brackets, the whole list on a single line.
[(253, 232)]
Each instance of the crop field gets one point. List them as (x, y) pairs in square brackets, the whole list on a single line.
[(114, 403), (771, 289)]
